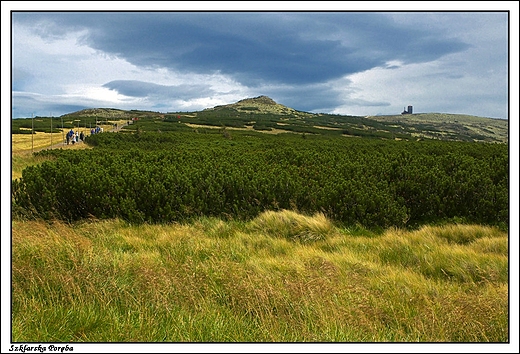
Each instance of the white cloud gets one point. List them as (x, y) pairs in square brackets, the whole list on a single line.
[(445, 85), (82, 93)]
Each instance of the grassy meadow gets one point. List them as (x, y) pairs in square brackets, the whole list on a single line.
[(281, 277), (26, 142)]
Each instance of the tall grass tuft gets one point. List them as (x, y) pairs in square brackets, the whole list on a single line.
[(463, 234), (293, 226)]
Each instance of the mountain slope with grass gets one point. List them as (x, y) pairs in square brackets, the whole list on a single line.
[(440, 126)]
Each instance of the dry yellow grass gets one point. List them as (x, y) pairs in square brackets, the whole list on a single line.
[(25, 142)]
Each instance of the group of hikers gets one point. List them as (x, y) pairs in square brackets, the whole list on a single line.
[(75, 137)]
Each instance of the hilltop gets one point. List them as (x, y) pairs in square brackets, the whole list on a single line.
[(261, 104)]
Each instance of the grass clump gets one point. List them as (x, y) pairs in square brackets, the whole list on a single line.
[(447, 253), (293, 226), (463, 234)]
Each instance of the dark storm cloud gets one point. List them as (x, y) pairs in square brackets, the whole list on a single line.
[(308, 98), (317, 98), (252, 47)]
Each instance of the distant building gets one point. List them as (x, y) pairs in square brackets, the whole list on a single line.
[(409, 111)]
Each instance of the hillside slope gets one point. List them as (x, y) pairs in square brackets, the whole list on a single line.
[(445, 125), (111, 114), (263, 114)]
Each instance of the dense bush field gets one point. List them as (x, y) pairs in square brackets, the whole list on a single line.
[(175, 176)]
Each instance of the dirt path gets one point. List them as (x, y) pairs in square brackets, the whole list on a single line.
[(63, 145)]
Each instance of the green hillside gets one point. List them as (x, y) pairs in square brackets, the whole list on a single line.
[(265, 115)]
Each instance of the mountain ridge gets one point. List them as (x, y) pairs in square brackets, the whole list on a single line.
[(265, 114), (264, 104)]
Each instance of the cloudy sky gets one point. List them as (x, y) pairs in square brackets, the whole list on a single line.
[(344, 62)]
